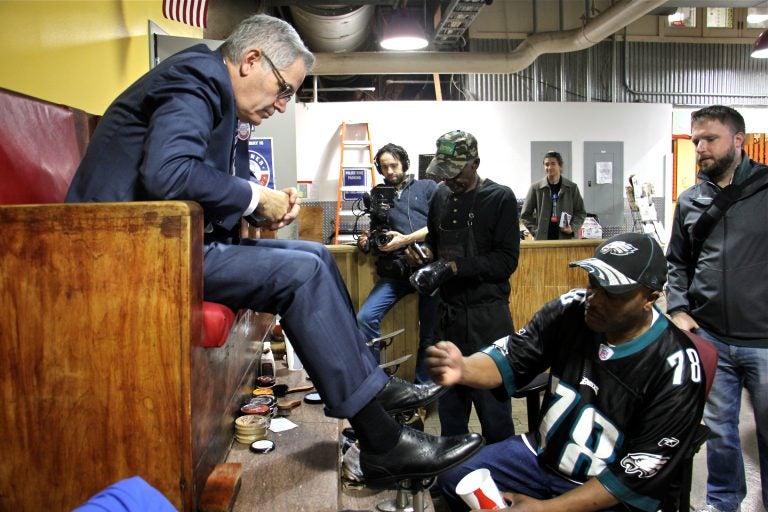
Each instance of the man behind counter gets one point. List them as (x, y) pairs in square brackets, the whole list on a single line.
[(553, 207)]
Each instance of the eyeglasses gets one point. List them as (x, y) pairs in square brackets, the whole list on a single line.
[(286, 90)]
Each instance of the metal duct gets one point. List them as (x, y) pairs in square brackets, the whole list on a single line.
[(613, 19), (333, 28)]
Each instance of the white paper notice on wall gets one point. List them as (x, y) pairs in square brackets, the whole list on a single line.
[(604, 172)]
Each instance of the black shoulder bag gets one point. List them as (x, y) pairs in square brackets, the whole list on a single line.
[(720, 204)]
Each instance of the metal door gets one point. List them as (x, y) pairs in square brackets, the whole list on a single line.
[(603, 188)]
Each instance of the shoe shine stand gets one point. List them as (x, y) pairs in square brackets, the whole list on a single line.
[(381, 344), (410, 492), (409, 498)]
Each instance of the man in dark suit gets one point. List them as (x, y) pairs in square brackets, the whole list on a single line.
[(179, 133)]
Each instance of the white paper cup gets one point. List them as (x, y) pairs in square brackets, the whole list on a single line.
[(479, 491)]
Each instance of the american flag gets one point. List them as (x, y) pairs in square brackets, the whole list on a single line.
[(191, 12)]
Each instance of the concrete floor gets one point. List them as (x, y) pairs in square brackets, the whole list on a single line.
[(753, 501)]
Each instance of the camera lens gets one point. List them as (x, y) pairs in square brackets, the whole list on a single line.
[(381, 239)]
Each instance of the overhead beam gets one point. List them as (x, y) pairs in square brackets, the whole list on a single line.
[(610, 21)]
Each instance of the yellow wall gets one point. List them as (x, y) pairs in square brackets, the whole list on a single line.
[(80, 53)]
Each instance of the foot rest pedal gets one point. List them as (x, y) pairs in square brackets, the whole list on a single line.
[(221, 488)]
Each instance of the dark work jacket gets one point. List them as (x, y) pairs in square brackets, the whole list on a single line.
[(474, 308), (729, 284), (170, 136)]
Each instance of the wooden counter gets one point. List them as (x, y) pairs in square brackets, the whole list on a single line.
[(542, 274)]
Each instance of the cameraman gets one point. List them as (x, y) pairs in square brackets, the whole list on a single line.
[(404, 222)]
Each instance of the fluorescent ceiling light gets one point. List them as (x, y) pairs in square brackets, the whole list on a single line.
[(758, 14), (401, 32), (757, 18)]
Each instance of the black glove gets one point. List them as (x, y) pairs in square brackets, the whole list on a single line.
[(428, 278)]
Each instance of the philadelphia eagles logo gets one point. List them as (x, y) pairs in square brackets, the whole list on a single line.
[(644, 465), (501, 344), (618, 248)]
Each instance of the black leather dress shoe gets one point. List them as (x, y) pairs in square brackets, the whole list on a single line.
[(417, 455), (399, 395)]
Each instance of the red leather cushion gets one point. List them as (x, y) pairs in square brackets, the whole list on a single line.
[(42, 145), (217, 321), (708, 356)]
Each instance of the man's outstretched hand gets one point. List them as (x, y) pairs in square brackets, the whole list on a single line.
[(445, 363)]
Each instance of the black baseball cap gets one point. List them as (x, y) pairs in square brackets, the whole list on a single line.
[(626, 262)]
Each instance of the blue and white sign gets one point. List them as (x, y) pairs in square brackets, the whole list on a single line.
[(261, 161), (353, 178)]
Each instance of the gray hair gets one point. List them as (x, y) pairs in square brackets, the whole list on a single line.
[(273, 36)]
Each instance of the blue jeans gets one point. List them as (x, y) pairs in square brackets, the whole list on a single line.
[(737, 368), (384, 295)]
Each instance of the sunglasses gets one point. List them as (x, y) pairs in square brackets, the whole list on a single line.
[(285, 90)]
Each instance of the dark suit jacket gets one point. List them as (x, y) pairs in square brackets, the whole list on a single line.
[(169, 136)]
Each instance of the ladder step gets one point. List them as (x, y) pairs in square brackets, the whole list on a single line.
[(356, 177)]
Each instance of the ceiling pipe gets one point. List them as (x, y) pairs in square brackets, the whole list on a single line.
[(613, 19)]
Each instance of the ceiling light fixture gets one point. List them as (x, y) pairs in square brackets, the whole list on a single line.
[(760, 48), (758, 14), (677, 18), (401, 32)]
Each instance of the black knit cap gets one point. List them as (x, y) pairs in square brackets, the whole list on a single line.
[(625, 262)]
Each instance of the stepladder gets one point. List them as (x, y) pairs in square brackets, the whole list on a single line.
[(357, 175)]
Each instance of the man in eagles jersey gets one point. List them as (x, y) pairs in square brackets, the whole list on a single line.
[(625, 394)]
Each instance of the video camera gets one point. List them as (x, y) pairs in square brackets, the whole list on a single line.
[(377, 205)]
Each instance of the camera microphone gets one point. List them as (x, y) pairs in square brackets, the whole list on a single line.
[(367, 200)]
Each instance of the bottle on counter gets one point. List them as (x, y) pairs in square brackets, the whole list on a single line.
[(267, 363)]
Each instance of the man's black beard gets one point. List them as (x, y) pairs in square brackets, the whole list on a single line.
[(720, 167), (398, 184)]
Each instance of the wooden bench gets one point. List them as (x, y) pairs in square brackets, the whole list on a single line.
[(104, 372)]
